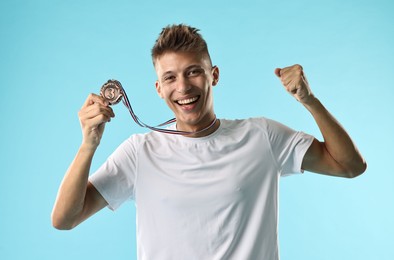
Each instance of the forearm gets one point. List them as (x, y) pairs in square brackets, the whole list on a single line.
[(336, 140), (72, 192)]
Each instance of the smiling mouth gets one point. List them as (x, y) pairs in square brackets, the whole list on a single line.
[(187, 101)]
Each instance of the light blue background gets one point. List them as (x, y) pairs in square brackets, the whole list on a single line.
[(54, 53)]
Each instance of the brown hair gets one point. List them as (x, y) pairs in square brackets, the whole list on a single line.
[(179, 38)]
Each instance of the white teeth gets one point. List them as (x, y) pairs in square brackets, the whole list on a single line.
[(187, 101)]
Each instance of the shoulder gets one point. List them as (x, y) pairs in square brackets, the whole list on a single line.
[(260, 126), (132, 144)]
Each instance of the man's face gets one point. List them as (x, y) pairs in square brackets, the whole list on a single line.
[(185, 82)]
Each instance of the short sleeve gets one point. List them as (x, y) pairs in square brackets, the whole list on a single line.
[(115, 179), (288, 147)]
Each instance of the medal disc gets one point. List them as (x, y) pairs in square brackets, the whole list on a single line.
[(112, 92)]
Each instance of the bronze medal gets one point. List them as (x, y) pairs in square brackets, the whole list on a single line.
[(112, 92)]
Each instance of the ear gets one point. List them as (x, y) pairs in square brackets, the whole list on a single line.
[(158, 88), (215, 75)]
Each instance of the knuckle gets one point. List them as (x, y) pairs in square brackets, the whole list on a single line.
[(102, 110), (82, 112), (96, 107), (102, 117), (298, 67), (90, 97)]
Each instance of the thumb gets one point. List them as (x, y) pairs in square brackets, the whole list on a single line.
[(277, 72)]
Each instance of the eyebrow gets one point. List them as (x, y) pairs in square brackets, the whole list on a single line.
[(193, 66), (166, 73)]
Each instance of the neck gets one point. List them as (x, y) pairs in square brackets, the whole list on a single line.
[(211, 128)]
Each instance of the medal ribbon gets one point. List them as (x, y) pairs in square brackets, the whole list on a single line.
[(113, 92)]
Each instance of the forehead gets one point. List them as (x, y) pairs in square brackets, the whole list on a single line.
[(178, 61)]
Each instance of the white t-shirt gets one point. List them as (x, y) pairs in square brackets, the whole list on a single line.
[(208, 198)]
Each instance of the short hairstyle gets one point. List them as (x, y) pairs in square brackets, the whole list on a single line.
[(179, 38)]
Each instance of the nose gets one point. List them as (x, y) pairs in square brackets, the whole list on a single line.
[(183, 85)]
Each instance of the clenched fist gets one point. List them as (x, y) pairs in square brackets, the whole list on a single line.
[(295, 82)]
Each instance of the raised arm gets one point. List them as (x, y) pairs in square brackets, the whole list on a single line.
[(337, 155), (77, 199)]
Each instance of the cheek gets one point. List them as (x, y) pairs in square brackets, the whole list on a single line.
[(166, 97)]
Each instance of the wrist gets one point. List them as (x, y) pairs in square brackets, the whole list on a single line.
[(311, 102), (88, 147)]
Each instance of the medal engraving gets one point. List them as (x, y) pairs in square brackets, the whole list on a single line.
[(112, 92)]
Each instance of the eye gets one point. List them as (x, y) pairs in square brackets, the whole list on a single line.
[(169, 78), (194, 72)]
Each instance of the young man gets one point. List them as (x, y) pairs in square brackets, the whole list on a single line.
[(211, 194)]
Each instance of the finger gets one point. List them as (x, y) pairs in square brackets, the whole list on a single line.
[(99, 108), (285, 75), (287, 78), (93, 98), (292, 73), (297, 67), (94, 122), (92, 119), (278, 72), (292, 68), (292, 87), (98, 120), (95, 110), (284, 71)]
